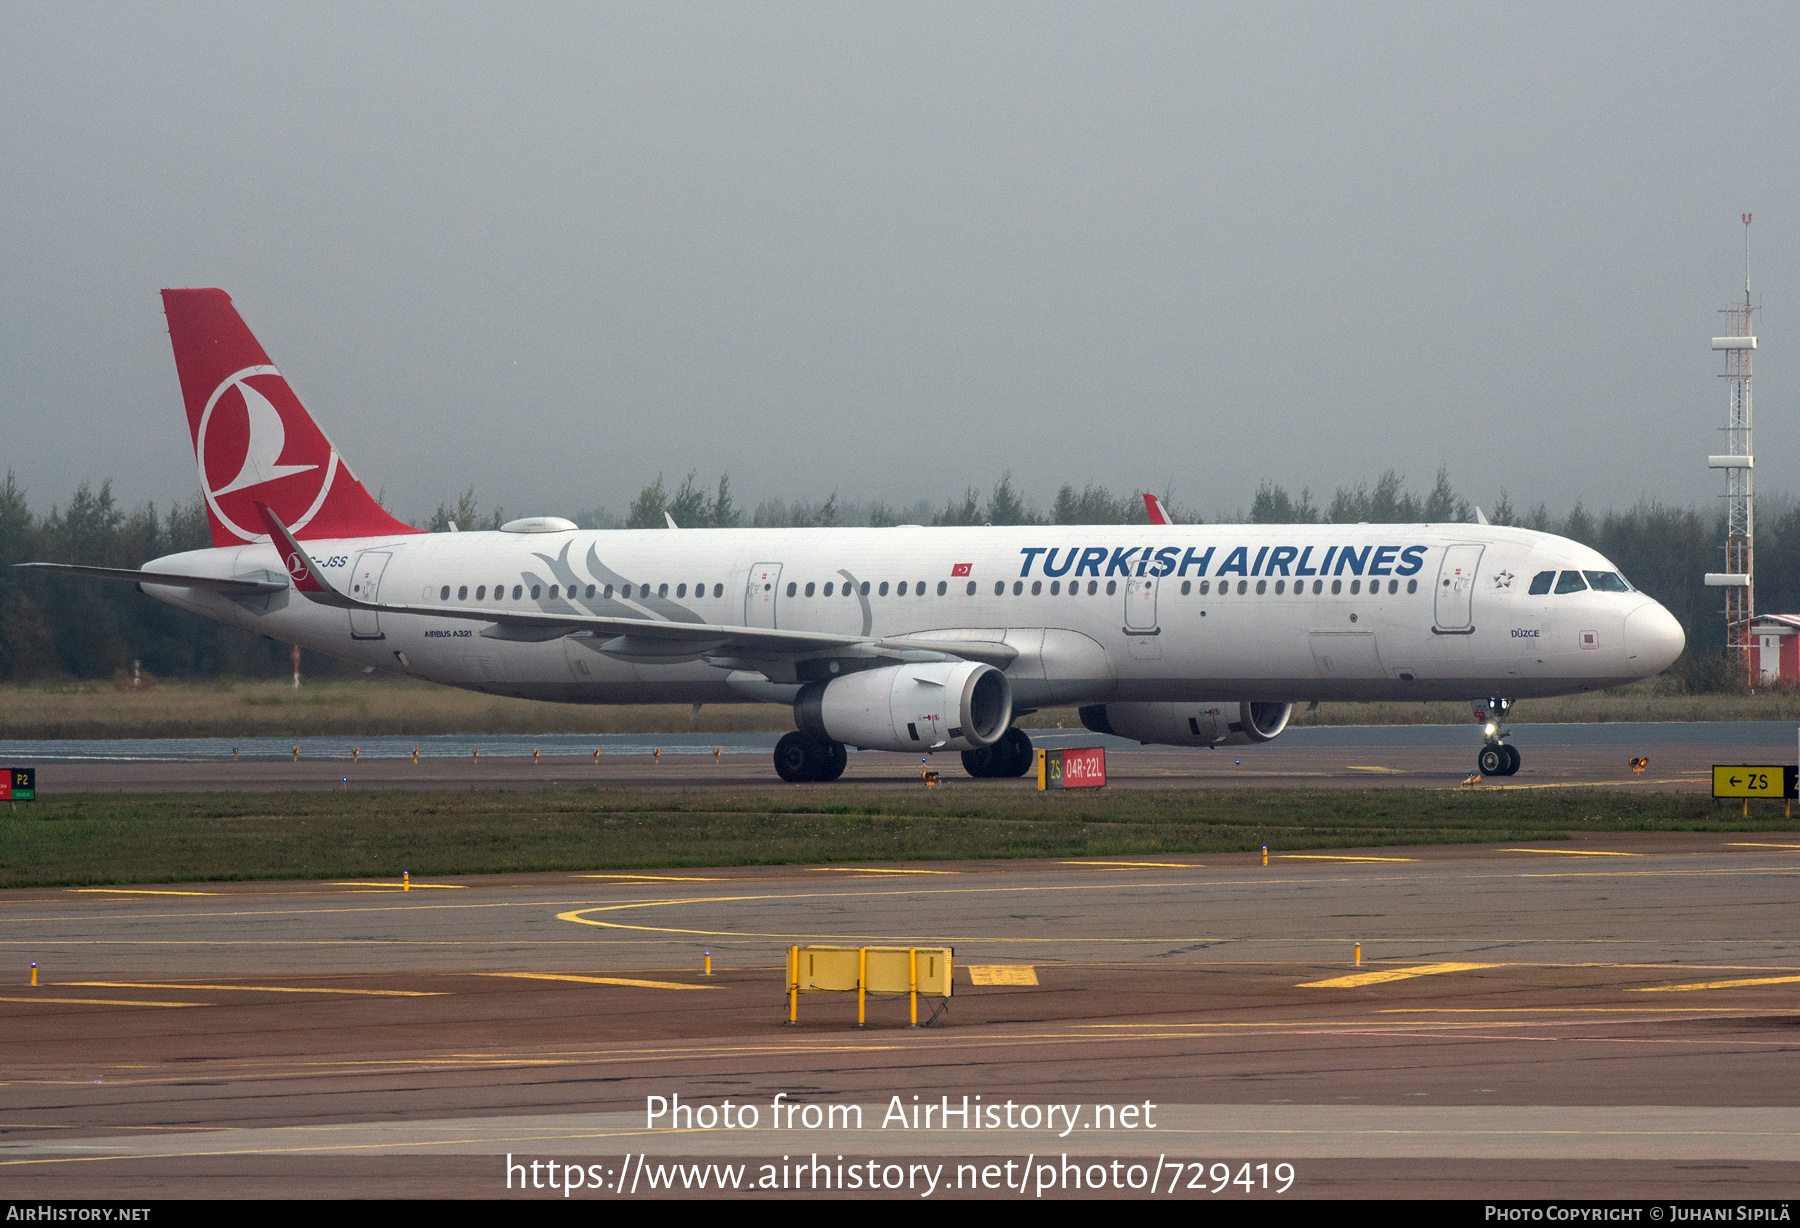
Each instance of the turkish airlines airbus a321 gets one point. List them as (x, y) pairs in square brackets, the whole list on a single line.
[(901, 639)]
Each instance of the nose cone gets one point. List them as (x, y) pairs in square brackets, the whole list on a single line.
[(1653, 639)]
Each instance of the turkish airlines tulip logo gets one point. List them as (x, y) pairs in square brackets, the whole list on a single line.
[(256, 443), (296, 566)]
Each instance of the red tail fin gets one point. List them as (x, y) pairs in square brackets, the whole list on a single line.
[(253, 440)]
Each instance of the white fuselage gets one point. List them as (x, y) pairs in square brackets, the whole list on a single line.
[(1137, 613)]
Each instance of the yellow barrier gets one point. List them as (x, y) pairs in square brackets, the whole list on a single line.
[(866, 970)]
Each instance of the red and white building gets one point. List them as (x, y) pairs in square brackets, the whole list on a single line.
[(1775, 639)]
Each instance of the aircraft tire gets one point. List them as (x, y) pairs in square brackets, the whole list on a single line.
[(1492, 760), (832, 759), (795, 761), (1512, 759), (1020, 757), (984, 762)]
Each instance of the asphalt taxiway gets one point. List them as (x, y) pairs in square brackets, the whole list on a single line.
[(1676, 765), (1613, 1016)]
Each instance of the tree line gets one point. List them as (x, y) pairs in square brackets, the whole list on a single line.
[(68, 628)]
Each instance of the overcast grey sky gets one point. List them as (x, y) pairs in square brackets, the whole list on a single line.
[(551, 251)]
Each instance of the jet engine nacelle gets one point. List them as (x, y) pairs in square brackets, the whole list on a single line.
[(1206, 723), (951, 705)]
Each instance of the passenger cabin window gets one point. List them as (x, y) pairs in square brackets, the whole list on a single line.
[(809, 588), (444, 593), (901, 591), (553, 592), (971, 589), (481, 593), (1570, 582), (790, 588), (1037, 588), (1607, 581), (1018, 588), (1412, 586), (590, 590), (535, 590), (943, 587), (865, 588), (1056, 588), (882, 591), (662, 590), (518, 591), (1112, 587), (828, 589)]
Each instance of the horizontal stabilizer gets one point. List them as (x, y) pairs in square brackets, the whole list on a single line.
[(130, 575)]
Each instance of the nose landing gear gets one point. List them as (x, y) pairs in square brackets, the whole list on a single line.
[(1498, 757)]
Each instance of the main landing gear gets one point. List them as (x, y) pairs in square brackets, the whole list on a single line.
[(809, 756), (1012, 755), (1498, 757)]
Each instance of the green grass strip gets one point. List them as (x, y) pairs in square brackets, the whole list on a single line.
[(99, 839)]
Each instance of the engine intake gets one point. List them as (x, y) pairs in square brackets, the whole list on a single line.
[(951, 705)]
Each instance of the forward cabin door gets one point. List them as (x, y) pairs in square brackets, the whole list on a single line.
[(365, 585), (760, 595), (1456, 589)]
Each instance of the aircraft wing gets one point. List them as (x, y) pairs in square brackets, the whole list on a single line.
[(639, 637), (231, 588)]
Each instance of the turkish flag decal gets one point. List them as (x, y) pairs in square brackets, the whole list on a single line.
[(960, 569)]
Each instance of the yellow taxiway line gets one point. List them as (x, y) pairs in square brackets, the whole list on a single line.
[(1573, 852), (598, 980), (1392, 974), (1760, 980), (374, 993), (102, 1002)]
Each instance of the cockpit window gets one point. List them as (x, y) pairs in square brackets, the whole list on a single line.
[(1540, 583), (1570, 582), (1607, 581)]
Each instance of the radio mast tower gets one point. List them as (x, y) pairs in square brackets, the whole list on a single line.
[(1739, 577)]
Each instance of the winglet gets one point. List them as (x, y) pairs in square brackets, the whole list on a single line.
[(300, 567), (1154, 508)]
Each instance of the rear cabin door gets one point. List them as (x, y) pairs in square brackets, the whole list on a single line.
[(365, 585), (760, 595)]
